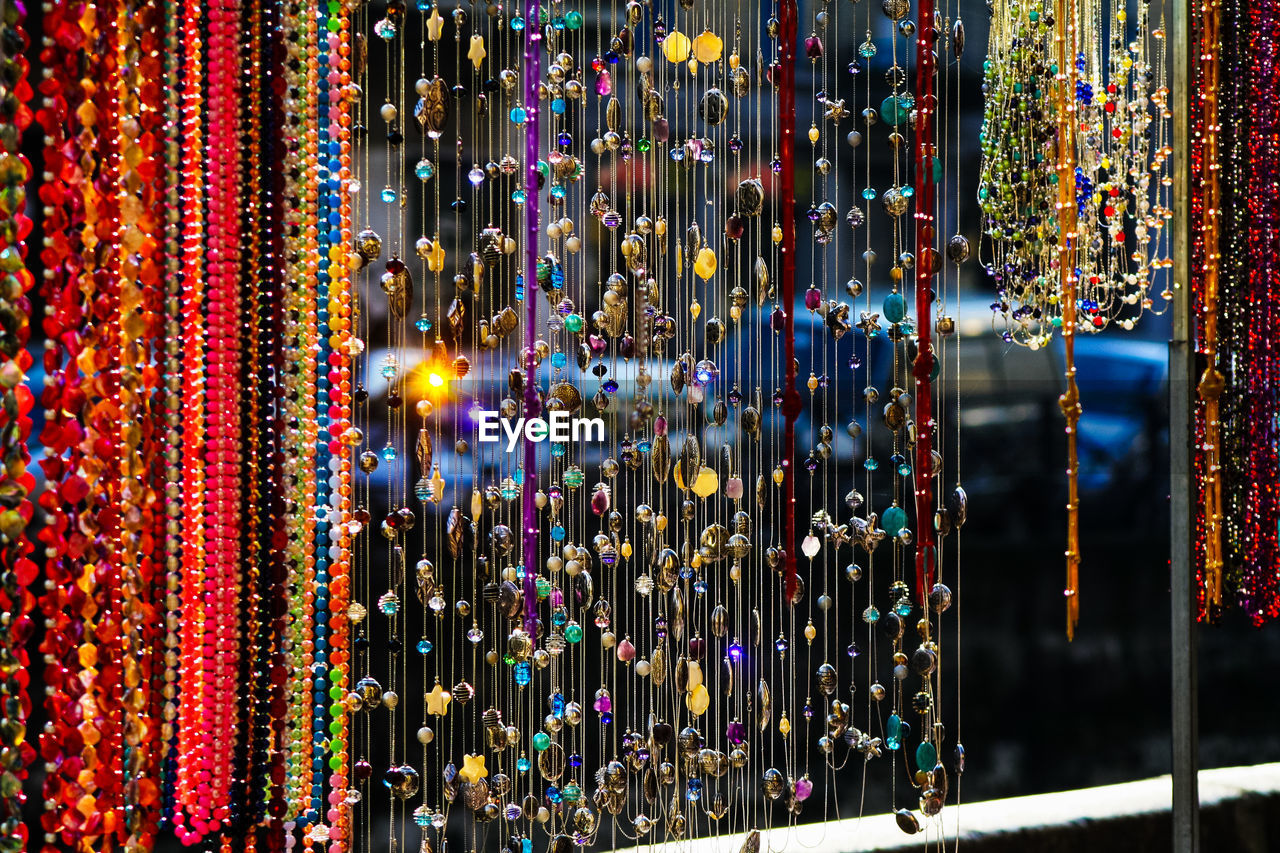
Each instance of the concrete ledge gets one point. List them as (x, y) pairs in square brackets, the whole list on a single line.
[(1240, 811)]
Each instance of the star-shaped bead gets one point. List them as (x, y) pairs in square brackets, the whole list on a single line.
[(869, 324), (435, 24), (473, 769), (866, 533), (835, 110), (438, 701), (476, 53)]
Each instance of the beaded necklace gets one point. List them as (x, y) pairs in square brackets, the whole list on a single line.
[(63, 602), (17, 571)]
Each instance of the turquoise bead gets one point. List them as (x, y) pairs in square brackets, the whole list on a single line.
[(893, 520), (894, 307), (926, 756), (893, 732), (895, 109)]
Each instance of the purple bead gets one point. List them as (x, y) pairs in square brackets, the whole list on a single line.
[(697, 648), (557, 598), (777, 319), (736, 733), (812, 298), (660, 425), (604, 84), (804, 788), (603, 702), (733, 227), (813, 47), (661, 130)]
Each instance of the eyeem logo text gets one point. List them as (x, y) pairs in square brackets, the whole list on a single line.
[(561, 428)]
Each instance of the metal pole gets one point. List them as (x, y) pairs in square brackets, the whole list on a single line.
[(1182, 384)]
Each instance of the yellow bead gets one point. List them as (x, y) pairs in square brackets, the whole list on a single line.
[(813, 133), (476, 53), (810, 632), (812, 383), (436, 262), (735, 312), (777, 234), (676, 46), (695, 309), (660, 522), (784, 725), (698, 700), (777, 475), (706, 483), (626, 550), (708, 47), (692, 65), (705, 264), (435, 24), (734, 61), (473, 769)]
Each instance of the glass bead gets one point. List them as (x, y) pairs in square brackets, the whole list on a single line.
[(893, 732)]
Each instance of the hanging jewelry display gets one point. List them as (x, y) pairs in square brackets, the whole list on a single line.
[(1233, 214), (697, 683), (1074, 172), (596, 544)]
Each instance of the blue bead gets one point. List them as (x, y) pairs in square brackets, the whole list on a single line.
[(893, 732)]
